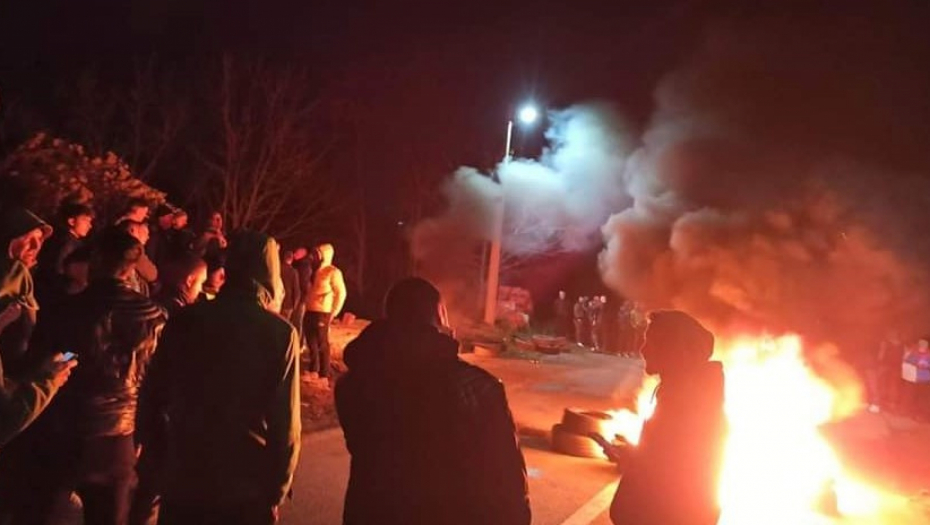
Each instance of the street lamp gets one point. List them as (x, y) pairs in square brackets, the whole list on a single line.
[(527, 115)]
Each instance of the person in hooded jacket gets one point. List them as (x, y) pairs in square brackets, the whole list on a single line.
[(431, 437), (22, 399), (324, 302), (223, 397), (672, 476), (22, 236)]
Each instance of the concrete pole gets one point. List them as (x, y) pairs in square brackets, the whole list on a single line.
[(494, 257)]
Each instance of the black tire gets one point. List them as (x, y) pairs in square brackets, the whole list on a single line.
[(566, 442), (584, 422)]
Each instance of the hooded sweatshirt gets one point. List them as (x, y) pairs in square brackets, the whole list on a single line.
[(328, 292), (674, 472), (226, 380), (20, 403)]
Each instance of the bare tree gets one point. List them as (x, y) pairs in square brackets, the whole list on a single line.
[(265, 169)]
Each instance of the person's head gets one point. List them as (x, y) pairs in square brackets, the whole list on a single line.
[(22, 233), (923, 346), (76, 266), (561, 294), (185, 274), (179, 220), (675, 342), (287, 257), (79, 218), (414, 301), (253, 268), (139, 230), (216, 221), (164, 215), (117, 254), (325, 253), (136, 210), (300, 254)]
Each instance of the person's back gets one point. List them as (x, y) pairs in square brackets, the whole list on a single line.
[(431, 437), (225, 377)]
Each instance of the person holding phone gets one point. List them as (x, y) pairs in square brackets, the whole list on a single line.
[(21, 402)]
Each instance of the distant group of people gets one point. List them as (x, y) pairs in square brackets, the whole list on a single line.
[(592, 323), (898, 377)]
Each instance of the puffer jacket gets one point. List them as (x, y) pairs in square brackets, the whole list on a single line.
[(114, 331), (431, 437)]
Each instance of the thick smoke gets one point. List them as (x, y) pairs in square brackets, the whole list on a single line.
[(555, 204), (782, 184)]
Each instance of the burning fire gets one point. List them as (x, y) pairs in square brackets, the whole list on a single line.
[(778, 467)]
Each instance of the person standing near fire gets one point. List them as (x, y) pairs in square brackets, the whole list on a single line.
[(915, 371), (580, 319), (324, 302)]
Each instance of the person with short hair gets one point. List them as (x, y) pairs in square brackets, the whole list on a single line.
[(673, 474), (431, 437), (137, 209), (292, 293), (75, 221), (158, 248), (182, 282), (146, 273)]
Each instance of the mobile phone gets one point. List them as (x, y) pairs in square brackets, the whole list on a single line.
[(67, 356)]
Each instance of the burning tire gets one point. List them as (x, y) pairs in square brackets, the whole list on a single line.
[(567, 442), (584, 422)]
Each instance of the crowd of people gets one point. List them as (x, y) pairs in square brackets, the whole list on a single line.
[(898, 377), (157, 377), (145, 365)]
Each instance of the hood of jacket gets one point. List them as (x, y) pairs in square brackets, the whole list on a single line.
[(326, 252), (389, 346), (15, 279), (253, 269)]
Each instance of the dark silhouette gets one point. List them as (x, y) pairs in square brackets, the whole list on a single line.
[(84, 442), (291, 280), (431, 437), (672, 476), (226, 381), (74, 224)]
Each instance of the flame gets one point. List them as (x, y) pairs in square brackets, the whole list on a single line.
[(778, 467), (629, 423)]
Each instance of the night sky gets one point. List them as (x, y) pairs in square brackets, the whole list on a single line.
[(431, 83)]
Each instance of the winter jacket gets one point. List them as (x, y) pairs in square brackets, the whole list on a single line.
[(54, 252), (224, 393), (673, 474), (327, 294), (114, 331), (16, 284), (431, 437), (21, 403)]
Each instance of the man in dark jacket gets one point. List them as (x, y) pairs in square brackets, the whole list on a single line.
[(431, 437), (226, 381), (74, 224), (292, 292), (85, 439), (673, 475)]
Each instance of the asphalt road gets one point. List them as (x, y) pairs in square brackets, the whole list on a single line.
[(559, 485)]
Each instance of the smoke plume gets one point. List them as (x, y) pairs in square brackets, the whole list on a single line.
[(782, 184), (555, 204)]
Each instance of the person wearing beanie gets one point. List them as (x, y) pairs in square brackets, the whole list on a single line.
[(672, 475)]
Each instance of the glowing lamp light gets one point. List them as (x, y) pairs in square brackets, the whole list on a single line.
[(528, 114)]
